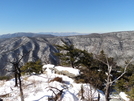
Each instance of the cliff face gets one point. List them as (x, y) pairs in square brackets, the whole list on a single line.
[(119, 45)]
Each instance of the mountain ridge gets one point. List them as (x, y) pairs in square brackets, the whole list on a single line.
[(28, 34), (115, 44)]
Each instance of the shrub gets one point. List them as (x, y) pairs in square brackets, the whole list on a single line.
[(131, 94), (31, 67), (5, 77), (58, 79), (120, 85), (79, 81)]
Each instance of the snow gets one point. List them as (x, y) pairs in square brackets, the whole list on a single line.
[(69, 69), (48, 68), (38, 87), (124, 96)]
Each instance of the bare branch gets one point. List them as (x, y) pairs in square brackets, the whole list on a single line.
[(96, 57), (53, 91), (24, 56), (125, 68)]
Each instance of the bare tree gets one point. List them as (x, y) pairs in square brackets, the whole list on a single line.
[(17, 74), (109, 82)]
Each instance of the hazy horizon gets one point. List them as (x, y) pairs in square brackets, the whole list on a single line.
[(61, 33)]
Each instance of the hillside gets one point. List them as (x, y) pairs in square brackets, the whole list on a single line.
[(116, 44), (42, 87)]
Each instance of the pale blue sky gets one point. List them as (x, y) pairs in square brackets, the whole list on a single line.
[(84, 16)]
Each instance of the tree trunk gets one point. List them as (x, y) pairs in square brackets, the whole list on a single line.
[(1, 99), (21, 90), (107, 91), (72, 64), (98, 97), (15, 75), (16, 82)]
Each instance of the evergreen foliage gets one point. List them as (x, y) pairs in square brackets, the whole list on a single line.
[(90, 72), (31, 67), (126, 83), (131, 94), (5, 77), (100, 70), (69, 55)]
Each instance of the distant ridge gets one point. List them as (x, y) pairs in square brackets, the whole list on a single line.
[(119, 45), (44, 34), (27, 34)]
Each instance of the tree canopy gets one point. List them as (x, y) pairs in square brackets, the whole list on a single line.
[(31, 67), (68, 54)]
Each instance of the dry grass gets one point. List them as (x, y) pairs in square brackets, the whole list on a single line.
[(58, 79)]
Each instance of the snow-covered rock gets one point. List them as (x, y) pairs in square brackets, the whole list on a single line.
[(69, 69), (50, 68)]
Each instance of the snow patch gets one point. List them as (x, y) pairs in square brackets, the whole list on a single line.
[(38, 87), (124, 96)]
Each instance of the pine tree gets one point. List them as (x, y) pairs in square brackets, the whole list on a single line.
[(126, 83), (31, 67), (68, 54), (90, 73)]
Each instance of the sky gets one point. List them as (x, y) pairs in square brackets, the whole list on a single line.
[(83, 16)]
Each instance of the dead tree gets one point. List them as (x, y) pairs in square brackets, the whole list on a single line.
[(15, 64), (109, 82), (17, 74), (58, 96)]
